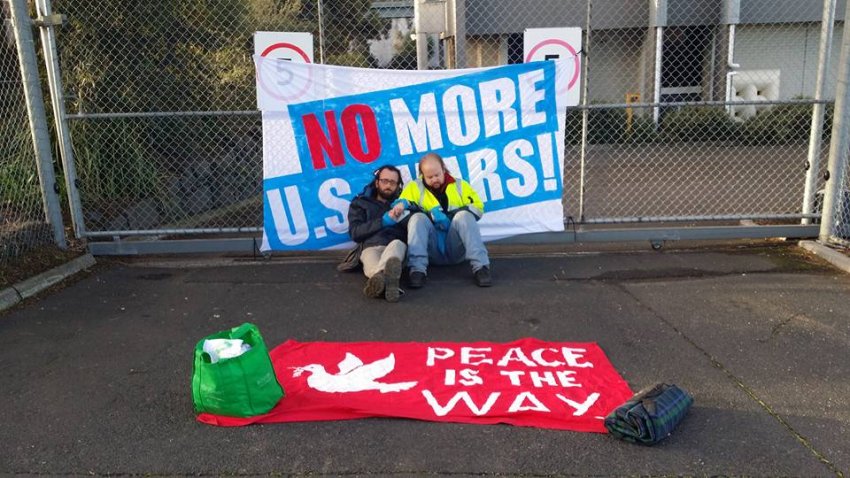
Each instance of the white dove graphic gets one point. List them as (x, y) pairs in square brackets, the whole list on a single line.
[(353, 376)]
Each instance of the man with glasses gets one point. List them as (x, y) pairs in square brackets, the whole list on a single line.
[(443, 228), (380, 233)]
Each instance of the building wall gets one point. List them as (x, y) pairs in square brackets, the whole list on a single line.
[(488, 50), (790, 48), (512, 16), (618, 62), (783, 11), (615, 65)]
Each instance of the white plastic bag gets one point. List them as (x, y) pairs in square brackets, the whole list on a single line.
[(219, 349)]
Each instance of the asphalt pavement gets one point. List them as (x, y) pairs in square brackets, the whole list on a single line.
[(96, 372)]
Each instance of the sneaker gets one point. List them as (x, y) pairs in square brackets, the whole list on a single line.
[(416, 279), (392, 272), (482, 277), (375, 286)]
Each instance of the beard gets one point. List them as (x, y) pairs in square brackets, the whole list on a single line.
[(386, 194)]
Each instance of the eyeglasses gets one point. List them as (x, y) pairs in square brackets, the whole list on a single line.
[(387, 182)]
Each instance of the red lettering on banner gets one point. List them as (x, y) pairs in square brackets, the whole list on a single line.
[(351, 127), (320, 144)]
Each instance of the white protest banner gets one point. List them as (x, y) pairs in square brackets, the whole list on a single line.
[(326, 128)]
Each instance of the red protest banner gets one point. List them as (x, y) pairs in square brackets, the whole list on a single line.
[(529, 382)]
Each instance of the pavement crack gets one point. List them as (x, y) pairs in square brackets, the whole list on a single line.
[(739, 382), (775, 330)]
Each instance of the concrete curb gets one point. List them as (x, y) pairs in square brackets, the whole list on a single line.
[(32, 286), (835, 258)]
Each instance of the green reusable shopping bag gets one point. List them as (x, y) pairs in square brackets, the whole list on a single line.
[(241, 386)]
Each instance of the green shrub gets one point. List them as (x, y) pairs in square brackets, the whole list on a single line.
[(784, 124), (608, 126), (113, 161), (19, 185), (352, 58), (697, 124), (643, 130)]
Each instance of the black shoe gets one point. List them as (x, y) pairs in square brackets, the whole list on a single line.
[(482, 277), (416, 279), (375, 286), (392, 272)]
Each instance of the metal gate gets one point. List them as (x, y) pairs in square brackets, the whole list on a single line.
[(30, 217), (698, 119)]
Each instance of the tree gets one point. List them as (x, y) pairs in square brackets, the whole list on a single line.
[(180, 56)]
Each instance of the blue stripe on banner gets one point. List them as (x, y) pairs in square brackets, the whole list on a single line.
[(498, 126)]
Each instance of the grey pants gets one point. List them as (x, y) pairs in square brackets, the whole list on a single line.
[(374, 258), (463, 241)]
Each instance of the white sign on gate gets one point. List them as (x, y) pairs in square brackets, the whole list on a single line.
[(562, 44), (289, 46)]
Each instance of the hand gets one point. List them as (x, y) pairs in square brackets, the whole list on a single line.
[(396, 211), (387, 220), (441, 221)]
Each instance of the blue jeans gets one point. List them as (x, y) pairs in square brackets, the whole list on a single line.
[(462, 242)]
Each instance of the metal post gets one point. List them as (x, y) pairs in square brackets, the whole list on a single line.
[(460, 33), (731, 16), (838, 148), (731, 67), (657, 20), (813, 162), (656, 91), (584, 111), (54, 80), (21, 25), (321, 35), (421, 38), (422, 41)]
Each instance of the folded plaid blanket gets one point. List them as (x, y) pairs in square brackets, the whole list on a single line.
[(650, 415)]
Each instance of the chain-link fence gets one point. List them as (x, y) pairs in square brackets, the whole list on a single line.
[(842, 213), (23, 224), (836, 229), (695, 110)]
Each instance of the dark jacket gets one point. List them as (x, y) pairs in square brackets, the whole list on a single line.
[(364, 221)]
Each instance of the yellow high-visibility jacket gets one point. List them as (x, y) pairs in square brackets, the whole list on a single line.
[(460, 196)]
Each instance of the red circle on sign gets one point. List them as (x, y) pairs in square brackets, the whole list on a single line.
[(286, 46), (289, 46), (556, 41)]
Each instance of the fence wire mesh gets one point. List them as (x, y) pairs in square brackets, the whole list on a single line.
[(841, 218), (23, 224), (699, 111)]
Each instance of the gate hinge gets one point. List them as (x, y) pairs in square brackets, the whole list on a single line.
[(55, 20)]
